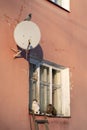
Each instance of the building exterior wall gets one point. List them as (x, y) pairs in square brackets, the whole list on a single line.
[(63, 41)]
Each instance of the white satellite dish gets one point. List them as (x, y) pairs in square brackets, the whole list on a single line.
[(27, 35)]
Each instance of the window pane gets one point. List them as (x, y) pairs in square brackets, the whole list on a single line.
[(44, 87), (56, 91), (33, 83)]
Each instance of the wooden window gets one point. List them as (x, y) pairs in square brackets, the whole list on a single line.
[(49, 84), (62, 3)]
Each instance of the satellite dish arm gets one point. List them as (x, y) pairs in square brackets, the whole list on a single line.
[(27, 50), (28, 44)]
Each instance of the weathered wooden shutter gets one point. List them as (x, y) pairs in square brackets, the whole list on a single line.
[(65, 92)]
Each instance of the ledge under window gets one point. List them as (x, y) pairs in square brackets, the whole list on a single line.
[(50, 116)]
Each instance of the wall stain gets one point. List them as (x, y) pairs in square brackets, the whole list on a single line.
[(11, 21)]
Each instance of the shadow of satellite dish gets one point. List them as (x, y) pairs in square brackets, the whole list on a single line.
[(36, 53)]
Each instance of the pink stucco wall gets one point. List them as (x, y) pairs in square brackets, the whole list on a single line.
[(63, 41)]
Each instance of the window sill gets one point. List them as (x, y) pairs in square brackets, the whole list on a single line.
[(50, 116)]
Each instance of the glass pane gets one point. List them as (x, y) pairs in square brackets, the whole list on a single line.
[(59, 2), (56, 90), (44, 88), (33, 84)]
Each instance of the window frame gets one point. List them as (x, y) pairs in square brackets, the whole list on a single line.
[(65, 110), (62, 4)]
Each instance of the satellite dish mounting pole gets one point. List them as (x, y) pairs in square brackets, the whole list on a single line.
[(27, 50)]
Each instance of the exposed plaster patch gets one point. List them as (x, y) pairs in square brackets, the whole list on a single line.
[(7, 19)]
